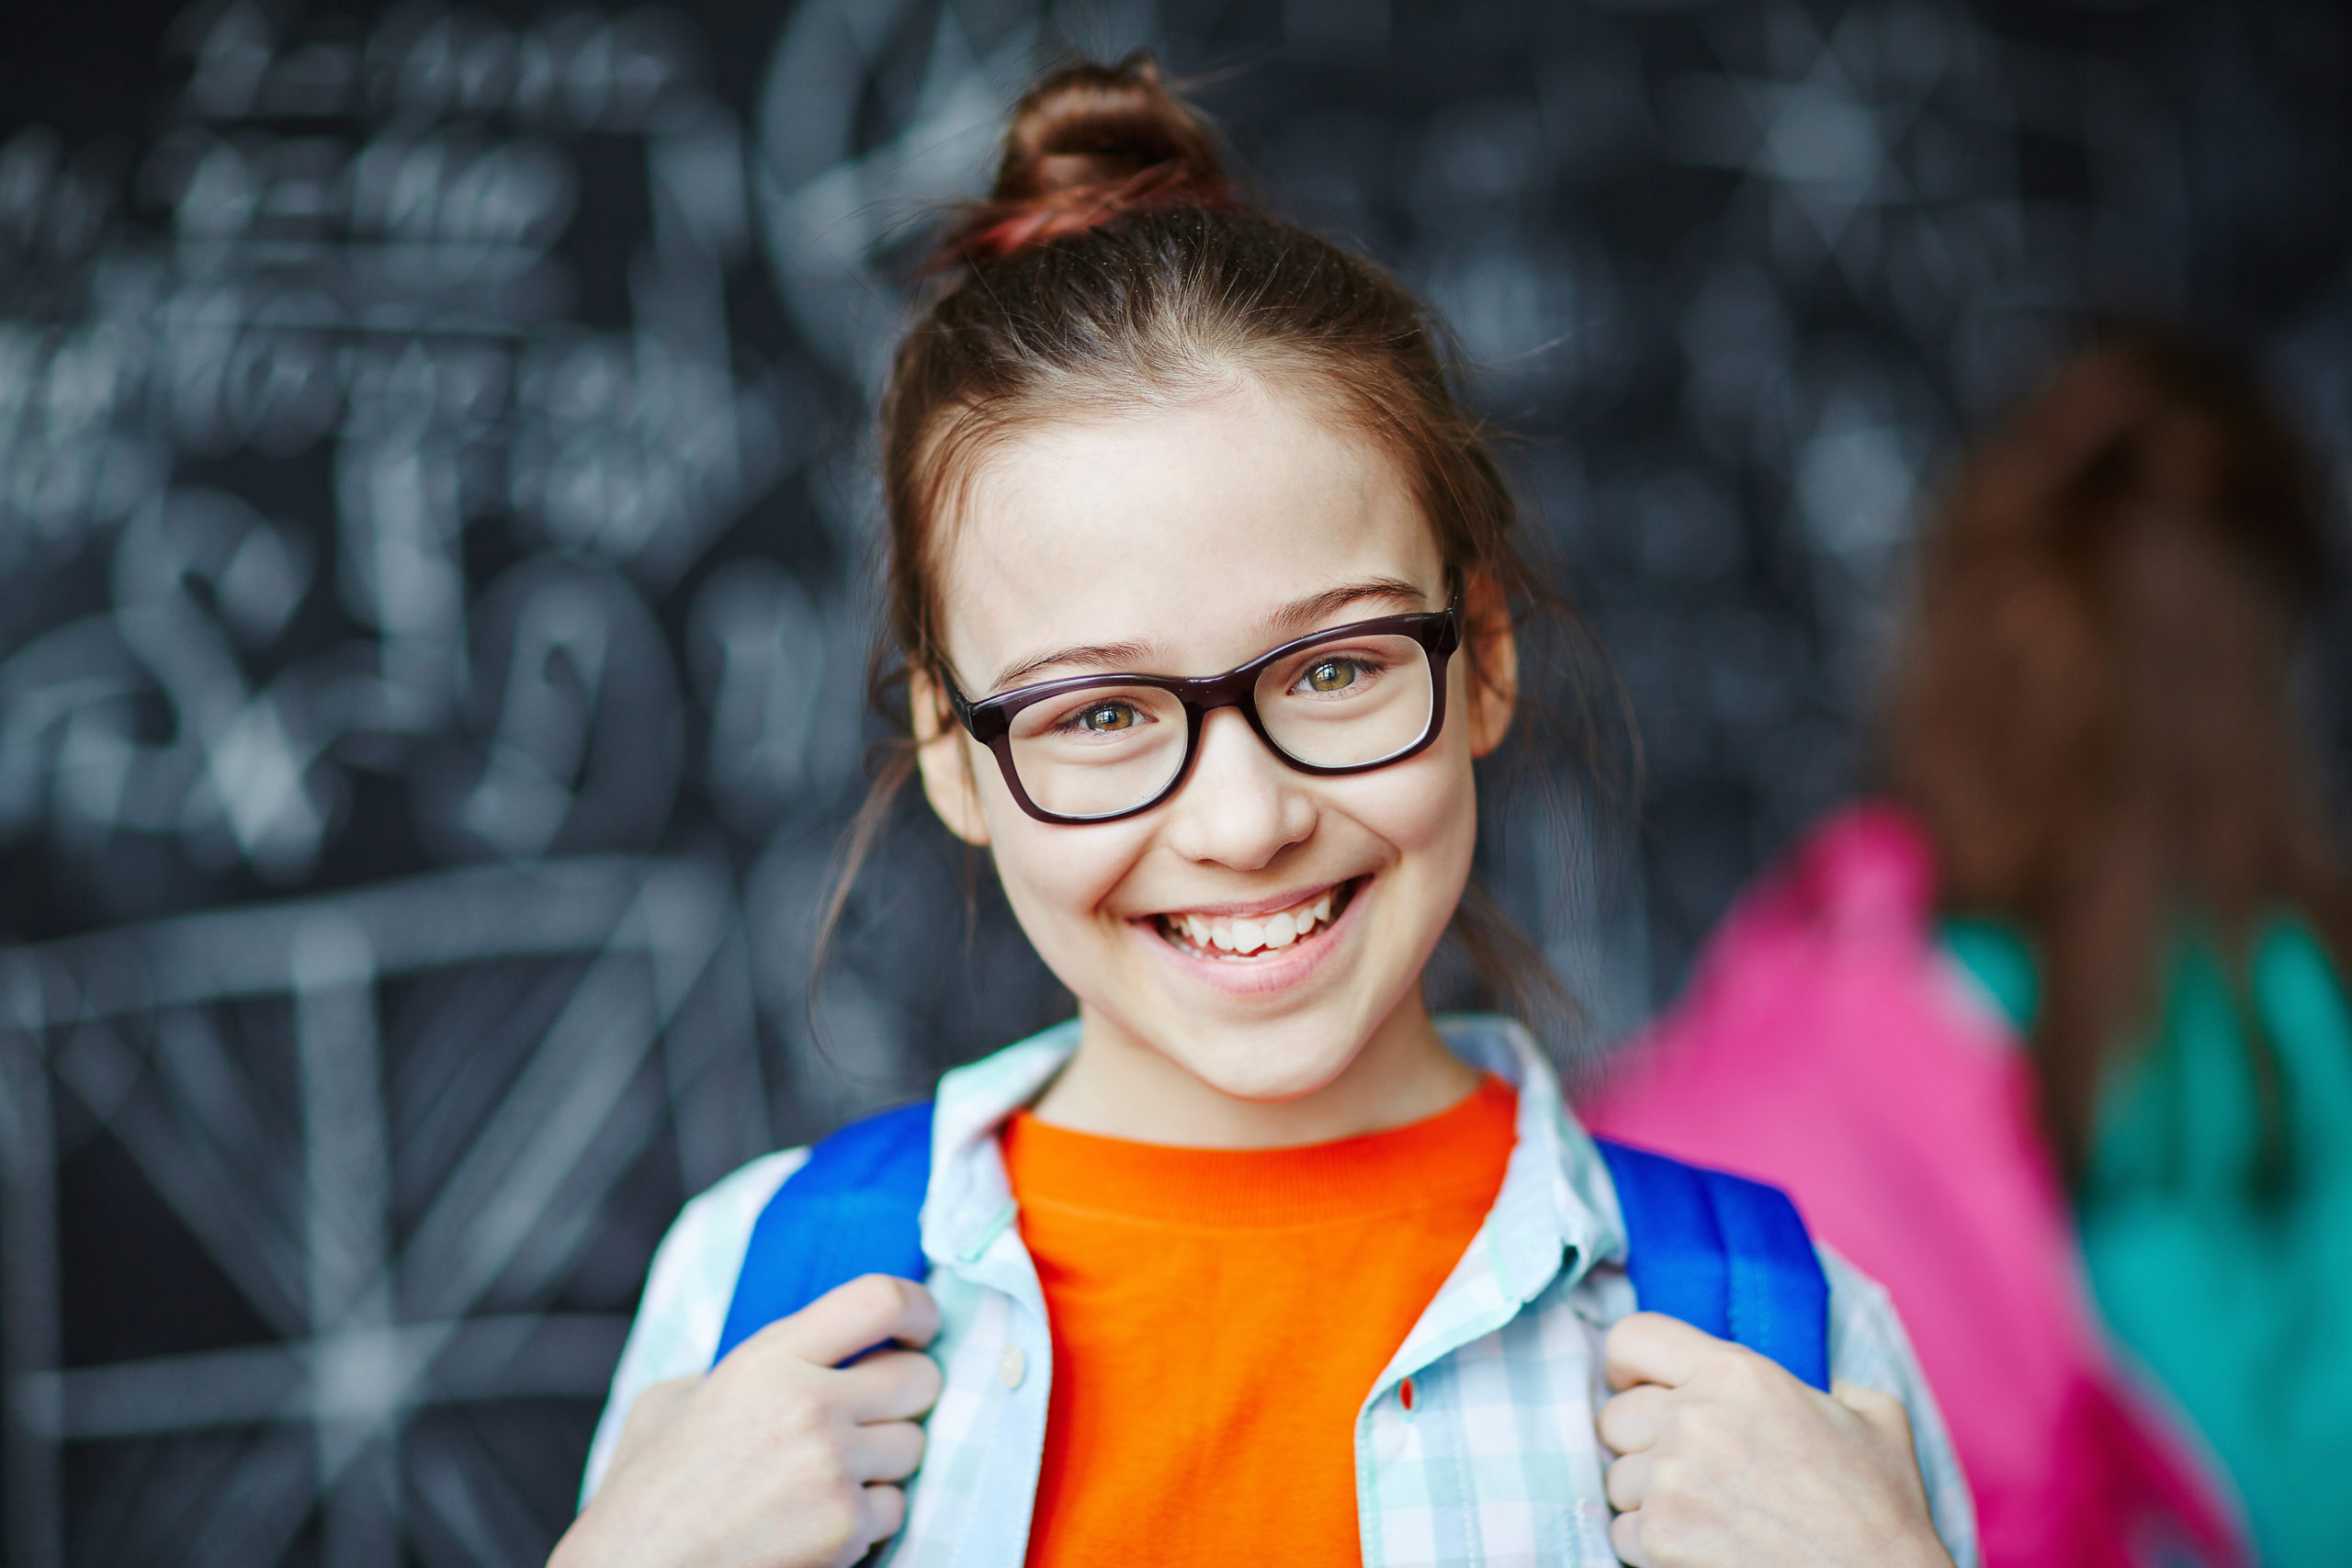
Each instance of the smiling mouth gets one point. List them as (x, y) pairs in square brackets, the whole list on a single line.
[(1231, 940)]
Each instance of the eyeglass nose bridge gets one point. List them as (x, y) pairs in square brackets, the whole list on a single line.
[(1204, 694)]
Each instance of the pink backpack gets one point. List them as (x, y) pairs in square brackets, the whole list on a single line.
[(1827, 1047)]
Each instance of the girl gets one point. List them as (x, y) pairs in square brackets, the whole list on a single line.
[(1254, 1260), (2108, 801)]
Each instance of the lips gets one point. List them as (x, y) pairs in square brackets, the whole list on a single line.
[(1252, 938)]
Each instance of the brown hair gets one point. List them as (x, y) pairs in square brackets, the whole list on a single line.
[(1115, 264), (2093, 716)]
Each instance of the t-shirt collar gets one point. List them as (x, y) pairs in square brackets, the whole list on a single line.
[(1555, 1208)]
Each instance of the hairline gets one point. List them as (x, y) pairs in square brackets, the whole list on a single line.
[(959, 441)]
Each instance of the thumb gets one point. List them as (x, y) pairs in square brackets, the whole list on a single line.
[(1648, 1347), (868, 1310)]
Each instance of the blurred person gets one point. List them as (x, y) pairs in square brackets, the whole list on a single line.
[(1254, 1260), (2089, 959)]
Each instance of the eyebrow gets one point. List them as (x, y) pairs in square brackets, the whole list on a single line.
[(1098, 655), (1301, 616), (1293, 619)]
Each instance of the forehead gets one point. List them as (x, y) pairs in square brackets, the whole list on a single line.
[(1177, 531)]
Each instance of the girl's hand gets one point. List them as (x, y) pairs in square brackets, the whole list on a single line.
[(776, 1458), (1728, 1460)]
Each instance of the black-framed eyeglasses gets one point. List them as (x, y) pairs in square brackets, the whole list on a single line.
[(1098, 748)]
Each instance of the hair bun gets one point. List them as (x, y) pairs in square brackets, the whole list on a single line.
[(1087, 143)]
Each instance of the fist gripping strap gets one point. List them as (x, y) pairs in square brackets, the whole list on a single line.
[(1724, 1254)]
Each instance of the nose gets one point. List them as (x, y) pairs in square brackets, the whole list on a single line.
[(1242, 807)]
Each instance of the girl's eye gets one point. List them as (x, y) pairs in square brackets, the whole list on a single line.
[(1105, 718), (1326, 675)]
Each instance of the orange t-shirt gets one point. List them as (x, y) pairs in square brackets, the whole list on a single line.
[(1218, 1317)]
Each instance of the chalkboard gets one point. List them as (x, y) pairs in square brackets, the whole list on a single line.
[(435, 523)]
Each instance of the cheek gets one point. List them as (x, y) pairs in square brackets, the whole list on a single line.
[(1054, 877), (1427, 811)]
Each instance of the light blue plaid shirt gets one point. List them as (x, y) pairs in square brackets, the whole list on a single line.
[(1497, 1462)]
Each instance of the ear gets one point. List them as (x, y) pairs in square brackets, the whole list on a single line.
[(1493, 670), (946, 760)]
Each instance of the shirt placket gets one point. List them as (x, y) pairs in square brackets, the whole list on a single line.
[(982, 1474)]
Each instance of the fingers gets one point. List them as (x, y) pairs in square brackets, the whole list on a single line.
[(885, 1511), (897, 1386), (1631, 1421), (1628, 1481), (1724, 1453), (886, 1450), (1625, 1540), (849, 1318), (1648, 1347)]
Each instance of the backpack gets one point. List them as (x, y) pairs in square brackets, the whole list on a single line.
[(1720, 1252)]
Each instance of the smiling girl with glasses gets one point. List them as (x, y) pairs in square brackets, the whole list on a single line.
[(1204, 587)]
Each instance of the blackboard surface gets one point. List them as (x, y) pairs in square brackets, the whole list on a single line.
[(434, 515)]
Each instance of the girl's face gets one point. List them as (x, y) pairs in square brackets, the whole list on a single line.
[(1188, 542)]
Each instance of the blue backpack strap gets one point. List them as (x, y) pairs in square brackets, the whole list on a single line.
[(1724, 1254), (854, 1207)]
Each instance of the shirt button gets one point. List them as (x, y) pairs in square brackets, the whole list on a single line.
[(1010, 1365)]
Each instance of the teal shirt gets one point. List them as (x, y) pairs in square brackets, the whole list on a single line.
[(2235, 1295)]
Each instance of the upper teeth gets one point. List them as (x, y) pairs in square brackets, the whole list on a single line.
[(1245, 936)]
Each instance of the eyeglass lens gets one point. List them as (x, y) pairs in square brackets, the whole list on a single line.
[(1106, 749)]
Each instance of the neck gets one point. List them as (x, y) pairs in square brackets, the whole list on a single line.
[(1120, 1087)]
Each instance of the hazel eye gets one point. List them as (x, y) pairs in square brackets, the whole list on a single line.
[(1332, 675), (1107, 718)]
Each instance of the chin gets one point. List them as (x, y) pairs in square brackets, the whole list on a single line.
[(1269, 1063)]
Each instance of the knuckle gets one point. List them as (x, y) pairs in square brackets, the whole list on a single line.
[(833, 1524), (1747, 1371), (1681, 1491), (826, 1474), (1876, 1407), (1665, 1536), (1632, 1331), (1667, 1479), (872, 1296), (1887, 1407), (806, 1419)]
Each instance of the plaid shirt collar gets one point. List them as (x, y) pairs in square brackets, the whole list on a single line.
[(1556, 1209)]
